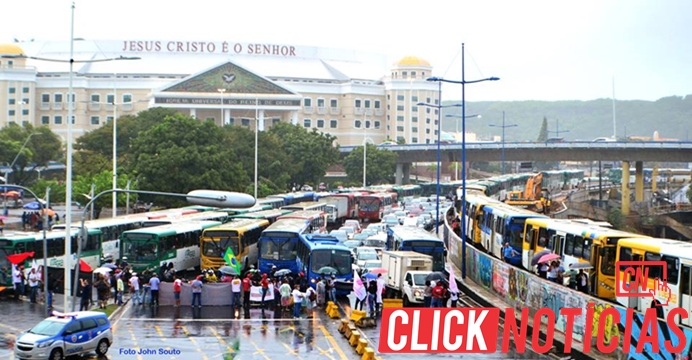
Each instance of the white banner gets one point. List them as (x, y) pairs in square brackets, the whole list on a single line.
[(256, 293)]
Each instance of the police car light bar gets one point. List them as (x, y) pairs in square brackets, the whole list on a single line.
[(63, 315)]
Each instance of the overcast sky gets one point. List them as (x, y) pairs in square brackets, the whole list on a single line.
[(541, 50)]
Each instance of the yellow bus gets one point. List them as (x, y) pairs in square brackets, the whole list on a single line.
[(475, 202), (577, 241), (241, 235), (677, 256)]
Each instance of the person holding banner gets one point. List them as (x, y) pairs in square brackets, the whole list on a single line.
[(359, 290)]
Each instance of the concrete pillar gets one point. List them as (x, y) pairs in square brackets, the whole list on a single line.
[(260, 120), (407, 174), (226, 116), (399, 174), (193, 113), (625, 188), (294, 117), (654, 176), (639, 181)]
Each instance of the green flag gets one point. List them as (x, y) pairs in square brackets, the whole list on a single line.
[(231, 261)]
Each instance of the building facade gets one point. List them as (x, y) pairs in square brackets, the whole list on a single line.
[(353, 96)]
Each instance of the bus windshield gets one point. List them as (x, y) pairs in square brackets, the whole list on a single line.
[(608, 261), (515, 234), (140, 250), (282, 248), (337, 259), (369, 204), (215, 243)]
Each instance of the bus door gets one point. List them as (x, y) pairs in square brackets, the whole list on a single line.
[(530, 241), (686, 292)]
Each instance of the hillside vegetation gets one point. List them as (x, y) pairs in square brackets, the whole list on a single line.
[(585, 120)]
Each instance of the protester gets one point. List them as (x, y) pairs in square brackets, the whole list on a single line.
[(321, 293), (85, 296), (247, 287), (297, 301), (177, 289), (438, 293), (120, 288), (236, 287), (197, 292), (427, 294), (134, 286), (33, 285), (265, 288), (310, 300), (154, 285), (372, 296), (285, 291)]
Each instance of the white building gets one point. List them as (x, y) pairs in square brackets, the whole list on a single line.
[(350, 95)]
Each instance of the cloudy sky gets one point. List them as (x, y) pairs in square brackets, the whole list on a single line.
[(541, 50)]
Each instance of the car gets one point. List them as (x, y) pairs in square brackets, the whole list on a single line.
[(352, 244), (349, 230), (354, 224), (360, 237), (390, 220), (364, 254), (368, 232), (378, 227), (339, 234), (401, 215), (386, 144), (64, 335)]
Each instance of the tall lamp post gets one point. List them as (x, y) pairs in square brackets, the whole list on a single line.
[(557, 133), (456, 164), (439, 108), (463, 83), (503, 126)]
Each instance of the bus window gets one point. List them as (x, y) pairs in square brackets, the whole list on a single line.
[(672, 269), (578, 246), (654, 271), (542, 238), (685, 287), (551, 239), (608, 261), (530, 236), (569, 244), (587, 249)]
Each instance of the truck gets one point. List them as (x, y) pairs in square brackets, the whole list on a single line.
[(337, 210), (533, 198), (405, 276)]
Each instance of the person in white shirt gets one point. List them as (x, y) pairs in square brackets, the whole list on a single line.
[(33, 285), (297, 301), (18, 281), (311, 299), (134, 284), (236, 287), (453, 297), (380, 290)]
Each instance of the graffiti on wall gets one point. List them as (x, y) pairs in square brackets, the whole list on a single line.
[(500, 279), (485, 270), (663, 335)]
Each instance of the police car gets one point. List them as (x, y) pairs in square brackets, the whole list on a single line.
[(64, 335)]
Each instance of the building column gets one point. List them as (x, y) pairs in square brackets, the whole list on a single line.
[(294, 117), (639, 181), (260, 120), (226, 117), (193, 113), (625, 188), (654, 176), (407, 174), (399, 174)]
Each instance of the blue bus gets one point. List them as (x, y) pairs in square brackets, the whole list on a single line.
[(278, 243), (322, 256), (409, 238), (500, 224), (294, 198)]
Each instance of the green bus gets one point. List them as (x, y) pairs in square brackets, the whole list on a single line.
[(270, 215)]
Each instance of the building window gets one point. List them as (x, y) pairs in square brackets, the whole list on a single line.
[(320, 102), (95, 120), (320, 123), (307, 123), (436, 111), (10, 113), (400, 107), (367, 104), (332, 124), (414, 129), (427, 141), (357, 124), (73, 119), (25, 90), (12, 90), (414, 140), (427, 131), (400, 128), (25, 101), (12, 101), (377, 104), (334, 103), (357, 103), (427, 110), (57, 120), (435, 132), (57, 98), (367, 124), (95, 98), (127, 98), (400, 97), (74, 99), (414, 119), (45, 120), (437, 101), (414, 108), (274, 121), (413, 75), (109, 119), (435, 122), (404, 74), (427, 100), (307, 102), (427, 120), (25, 111), (400, 118), (45, 98), (423, 74), (377, 124), (414, 98), (245, 122), (110, 99)]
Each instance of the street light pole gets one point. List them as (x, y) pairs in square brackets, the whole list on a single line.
[(68, 171), (257, 120), (115, 147), (503, 138), (439, 134), (463, 83), (456, 163), (221, 92), (365, 151)]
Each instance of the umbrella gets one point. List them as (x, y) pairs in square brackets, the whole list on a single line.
[(34, 205), (580, 265), (2, 217), (370, 276), (84, 267), (548, 257), (326, 270), (48, 212), (102, 270), (228, 270), (20, 258), (282, 272), (538, 255), (110, 266), (377, 271), (436, 276)]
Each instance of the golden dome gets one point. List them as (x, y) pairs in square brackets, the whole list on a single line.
[(10, 49), (412, 61)]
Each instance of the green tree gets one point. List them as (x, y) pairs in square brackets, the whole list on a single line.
[(543, 133), (89, 163), (617, 219), (102, 181), (380, 166), (41, 147), (57, 189), (310, 153), (182, 154)]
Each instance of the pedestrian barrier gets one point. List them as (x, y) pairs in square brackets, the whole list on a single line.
[(357, 315), (334, 312), (349, 330), (362, 344), (355, 336), (343, 326), (369, 354), (392, 303), (330, 304)]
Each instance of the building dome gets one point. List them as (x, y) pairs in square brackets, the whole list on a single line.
[(413, 61), (10, 49)]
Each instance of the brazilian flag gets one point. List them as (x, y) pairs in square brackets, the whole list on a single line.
[(231, 261)]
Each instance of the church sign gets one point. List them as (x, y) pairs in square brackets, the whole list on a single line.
[(240, 102)]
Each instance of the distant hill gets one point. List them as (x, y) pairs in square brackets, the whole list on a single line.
[(585, 120)]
